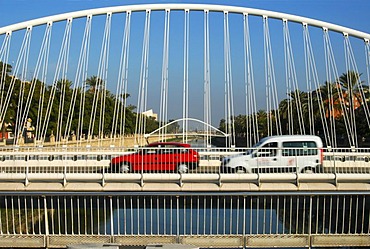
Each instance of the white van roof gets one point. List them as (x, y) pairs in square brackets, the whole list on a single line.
[(282, 138)]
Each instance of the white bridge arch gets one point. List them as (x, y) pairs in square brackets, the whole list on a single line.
[(184, 7), (185, 135), (47, 84)]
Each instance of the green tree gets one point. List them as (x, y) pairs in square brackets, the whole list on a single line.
[(351, 85), (94, 83), (173, 128), (6, 68), (262, 123), (294, 112)]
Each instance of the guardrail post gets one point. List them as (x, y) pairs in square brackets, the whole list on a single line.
[(26, 182), (142, 178), (335, 170), (296, 173), (27, 169), (180, 180), (64, 174), (46, 220), (111, 219), (244, 222), (219, 179), (103, 176), (310, 224), (177, 219)]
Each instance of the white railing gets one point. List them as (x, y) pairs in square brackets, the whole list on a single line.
[(218, 220), (95, 164)]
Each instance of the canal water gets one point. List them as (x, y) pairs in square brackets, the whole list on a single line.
[(158, 214), (155, 213)]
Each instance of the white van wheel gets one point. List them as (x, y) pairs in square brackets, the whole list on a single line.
[(308, 170), (240, 170), (124, 168), (182, 168)]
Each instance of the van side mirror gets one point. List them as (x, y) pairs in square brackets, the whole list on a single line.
[(254, 154)]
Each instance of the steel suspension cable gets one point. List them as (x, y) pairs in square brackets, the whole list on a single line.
[(81, 114), (4, 57), (164, 83), (367, 54), (121, 93), (19, 124), (62, 65), (104, 76), (331, 69), (140, 125), (64, 81), (361, 87), (350, 102), (308, 59), (41, 100), (19, 61), (362, 98), (95, 101), (288, 85), (312, 75), (350, 63), (124, 107), (100, 89), (291, 80), (342, 98), (42, 63), (226, 75), (80, 79), (251, 109), (367, 59), (4, 52), (271, 91), (229, 106), (333, 139), (267, 79), (185, 98), (207, 78)]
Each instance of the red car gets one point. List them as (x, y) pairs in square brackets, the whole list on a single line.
[(158, 157)]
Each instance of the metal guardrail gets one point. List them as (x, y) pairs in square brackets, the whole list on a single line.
[(232, 219), (94, 164)]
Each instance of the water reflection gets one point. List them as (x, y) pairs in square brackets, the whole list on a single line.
[(185, 215), (206, 215)]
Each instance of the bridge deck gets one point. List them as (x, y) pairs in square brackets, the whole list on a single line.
[(185, 187), (216, 241)]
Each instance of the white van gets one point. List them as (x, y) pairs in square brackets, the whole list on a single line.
[(278, 154)]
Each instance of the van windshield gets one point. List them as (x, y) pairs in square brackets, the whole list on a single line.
[(251, 150)]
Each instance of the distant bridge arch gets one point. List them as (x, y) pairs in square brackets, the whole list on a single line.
[(186, 134)]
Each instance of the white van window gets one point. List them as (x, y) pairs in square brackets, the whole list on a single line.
[(268, 150), (304, 148)]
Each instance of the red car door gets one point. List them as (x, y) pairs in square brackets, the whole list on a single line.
[(165, 159), (145, 160)]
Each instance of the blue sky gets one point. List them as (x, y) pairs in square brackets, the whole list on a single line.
[(348, 13)]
